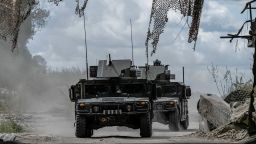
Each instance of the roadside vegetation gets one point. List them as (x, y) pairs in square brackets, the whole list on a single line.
[(10, 126), (228, 81), (2, 108)]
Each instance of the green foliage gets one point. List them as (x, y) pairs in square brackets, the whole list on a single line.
[(10, 126), (2, 108)]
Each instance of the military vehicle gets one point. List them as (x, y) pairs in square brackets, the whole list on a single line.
[(171, 105), (113, 96)]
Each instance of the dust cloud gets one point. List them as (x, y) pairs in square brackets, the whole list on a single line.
[(28, 87)]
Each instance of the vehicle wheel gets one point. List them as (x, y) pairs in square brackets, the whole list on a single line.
[(185, 123), (81, 127), (174, 120), (145, 126), (89, 133)]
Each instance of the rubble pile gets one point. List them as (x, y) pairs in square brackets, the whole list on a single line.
[(230, 131), (236, 127)]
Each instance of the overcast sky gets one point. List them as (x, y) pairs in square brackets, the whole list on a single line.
[(61, 41)]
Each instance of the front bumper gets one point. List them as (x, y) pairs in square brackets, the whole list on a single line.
[(165, 110), (110, 113), (106, 109)]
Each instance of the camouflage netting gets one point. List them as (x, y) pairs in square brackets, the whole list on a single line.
[(238, 95), (160, 8), (56, 2)]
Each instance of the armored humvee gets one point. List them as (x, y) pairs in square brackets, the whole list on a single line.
[(171, 105), (113, 96)]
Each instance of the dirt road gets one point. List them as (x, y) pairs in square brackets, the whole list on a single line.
[(112, 135), (59, 129)]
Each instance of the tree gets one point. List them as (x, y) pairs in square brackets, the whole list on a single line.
[(13, 13)]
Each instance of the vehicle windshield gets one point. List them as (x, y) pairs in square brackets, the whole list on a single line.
[(121, 90), (169, 91)]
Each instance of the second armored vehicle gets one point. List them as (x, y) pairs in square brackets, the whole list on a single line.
[(171, 105)]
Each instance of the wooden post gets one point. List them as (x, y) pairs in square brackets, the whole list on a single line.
[(251, 123)]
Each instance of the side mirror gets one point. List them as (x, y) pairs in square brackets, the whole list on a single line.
[(93, 71), (188, 91), (159, 91), (72, 93)]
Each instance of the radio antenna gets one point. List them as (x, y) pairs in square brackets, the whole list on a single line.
[(86, 54), (132, 42)]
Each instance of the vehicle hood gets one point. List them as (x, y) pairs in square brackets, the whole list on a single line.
[(113, 99)]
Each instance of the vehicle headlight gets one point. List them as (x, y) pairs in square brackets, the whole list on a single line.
[(129, 108), (95, 109), (170, 104), (83, 106), (141, 104)]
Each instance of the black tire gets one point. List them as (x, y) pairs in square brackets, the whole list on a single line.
[(145, 126), (81, 127), (89, 133), (185, 123), (174, 120)]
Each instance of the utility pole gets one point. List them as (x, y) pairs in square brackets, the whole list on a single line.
[(251, 43)]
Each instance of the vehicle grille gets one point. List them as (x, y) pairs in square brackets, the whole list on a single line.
[(158, 107), (114, 109), (112, 112)]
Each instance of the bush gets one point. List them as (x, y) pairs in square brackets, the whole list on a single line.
[(2, 108), (10, 126)]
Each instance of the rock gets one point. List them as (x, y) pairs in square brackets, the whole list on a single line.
[(7, 137), (214, 109)]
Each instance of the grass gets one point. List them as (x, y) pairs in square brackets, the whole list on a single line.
[(2, 107), (10, 126)]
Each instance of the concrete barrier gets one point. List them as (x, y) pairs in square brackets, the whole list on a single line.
[(214, 109)]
